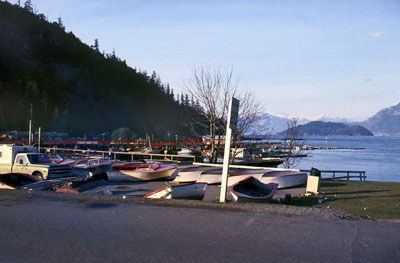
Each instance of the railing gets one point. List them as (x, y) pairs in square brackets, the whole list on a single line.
[(116, 155), (341, 175)]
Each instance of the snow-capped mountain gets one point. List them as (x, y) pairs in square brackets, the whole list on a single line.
[(385, 122)]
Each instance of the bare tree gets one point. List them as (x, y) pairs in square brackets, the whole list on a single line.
[(294, 145), (212, 90)]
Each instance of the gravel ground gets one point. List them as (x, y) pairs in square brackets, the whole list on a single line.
[(268, 208)]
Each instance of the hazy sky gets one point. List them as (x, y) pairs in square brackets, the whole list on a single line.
[(336, 58)]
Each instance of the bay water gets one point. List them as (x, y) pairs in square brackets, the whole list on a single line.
[(380, 156)]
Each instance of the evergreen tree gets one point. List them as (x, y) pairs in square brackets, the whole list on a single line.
[(172, 93), (153, 76), (28, 6), (167, 89), (186, 100), (182, 99), (96, 45), (60, 23)]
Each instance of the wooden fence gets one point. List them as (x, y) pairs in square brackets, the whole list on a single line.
[(341, 175)]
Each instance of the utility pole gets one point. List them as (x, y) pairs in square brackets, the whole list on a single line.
[(30, 125), (39, 137)]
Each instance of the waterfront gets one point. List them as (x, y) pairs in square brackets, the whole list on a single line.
[(380, 156)]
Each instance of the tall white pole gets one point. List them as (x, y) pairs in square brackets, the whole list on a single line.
[(39, 137), (225, 169), (30, 132), (231, 123)]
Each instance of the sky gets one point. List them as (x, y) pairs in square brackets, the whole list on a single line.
[(298, 58)]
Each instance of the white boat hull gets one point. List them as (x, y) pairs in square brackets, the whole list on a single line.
[(285, 179), (138, 175), (191, 174), (187, 191)]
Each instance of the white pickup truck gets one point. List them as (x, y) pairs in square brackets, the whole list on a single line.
[(26, 159)]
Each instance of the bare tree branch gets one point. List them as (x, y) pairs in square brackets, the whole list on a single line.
[(213, 89)]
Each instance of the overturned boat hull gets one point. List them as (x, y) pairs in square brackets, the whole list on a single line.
[(191, 174), (285, 179), (141, 174), (184, 191)]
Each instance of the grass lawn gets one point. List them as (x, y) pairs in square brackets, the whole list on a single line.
[(376, 200)]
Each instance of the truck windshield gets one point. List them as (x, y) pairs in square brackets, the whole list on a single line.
[(38, 158)]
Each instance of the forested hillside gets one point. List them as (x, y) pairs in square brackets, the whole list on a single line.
[(320, 128), (72, 86)]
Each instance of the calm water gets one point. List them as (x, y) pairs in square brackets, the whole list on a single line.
[(380, 157)]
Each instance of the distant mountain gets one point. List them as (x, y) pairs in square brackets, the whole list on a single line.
[(385, 122), (319, 128), (278, 123)]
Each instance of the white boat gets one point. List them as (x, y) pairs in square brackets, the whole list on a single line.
[(285, 179), (140, 172), (186, 151), (214, 176), (191, 174), (251, 189), (184, 191)]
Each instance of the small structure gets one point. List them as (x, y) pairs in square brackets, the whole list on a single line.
[(313, 182)]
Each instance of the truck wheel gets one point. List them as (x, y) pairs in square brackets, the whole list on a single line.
[(39, 175)]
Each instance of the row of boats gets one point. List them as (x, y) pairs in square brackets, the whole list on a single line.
[(189, 181)]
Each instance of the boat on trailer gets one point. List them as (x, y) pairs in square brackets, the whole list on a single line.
[(183, 191), (251, 189), (140, 172)]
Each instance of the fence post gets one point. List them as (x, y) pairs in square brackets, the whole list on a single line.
[(348, 176), (334, 175)]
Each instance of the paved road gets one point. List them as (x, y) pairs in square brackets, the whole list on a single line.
[(39, 229)]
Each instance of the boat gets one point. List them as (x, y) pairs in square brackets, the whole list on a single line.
[(15, 180), (214, 176), (56, 158), (285, 178), (96, 166), (183, 191), (140, 172), (251, 189), (191, 174), (186, 151), (77, 187)]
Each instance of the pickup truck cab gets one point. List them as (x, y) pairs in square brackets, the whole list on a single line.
[(26, 160)]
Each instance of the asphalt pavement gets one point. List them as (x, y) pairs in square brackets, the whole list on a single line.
[(49, 227)]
